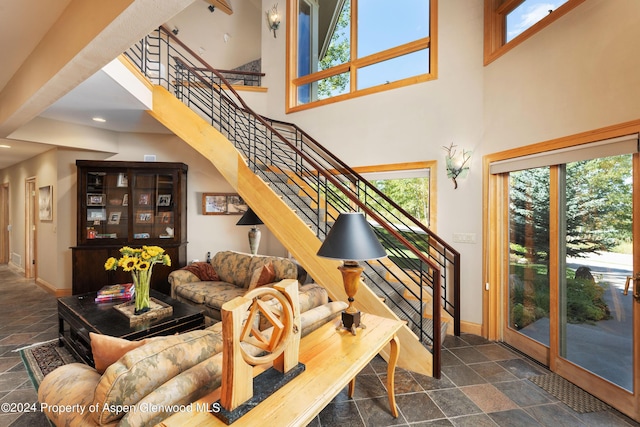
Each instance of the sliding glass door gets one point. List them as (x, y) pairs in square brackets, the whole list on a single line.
[(568, 260)]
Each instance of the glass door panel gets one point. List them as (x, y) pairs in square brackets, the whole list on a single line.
[(529, 285), (595, 317)]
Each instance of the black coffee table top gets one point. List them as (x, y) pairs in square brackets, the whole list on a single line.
[(104, 319)]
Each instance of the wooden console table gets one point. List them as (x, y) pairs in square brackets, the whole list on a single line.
[(332, 358)]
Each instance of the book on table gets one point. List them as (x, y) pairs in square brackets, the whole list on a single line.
[(124, 291)]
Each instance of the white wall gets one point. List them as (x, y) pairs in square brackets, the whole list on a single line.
[(199, 28), (412, 124), (205, 233), (579, 74)]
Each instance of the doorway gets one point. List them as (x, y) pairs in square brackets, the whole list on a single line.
[(30, 228), (567, 231), (4, 223)]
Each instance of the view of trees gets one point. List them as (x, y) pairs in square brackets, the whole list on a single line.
[(412, 194), (337, 53), (598, 206)]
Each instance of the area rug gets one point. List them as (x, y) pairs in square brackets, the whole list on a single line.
[(569, 394), (42, 358)]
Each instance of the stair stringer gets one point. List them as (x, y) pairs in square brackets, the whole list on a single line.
[(286, 226)]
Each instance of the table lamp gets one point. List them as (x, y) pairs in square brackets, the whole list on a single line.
[(250, 218), (351, 239)]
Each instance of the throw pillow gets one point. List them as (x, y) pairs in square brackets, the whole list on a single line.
[(108, 350), (262, 276), (203, 270)]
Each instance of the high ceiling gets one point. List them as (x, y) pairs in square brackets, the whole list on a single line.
[(23, 24)]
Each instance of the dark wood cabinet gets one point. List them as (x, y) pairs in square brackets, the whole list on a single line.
[(128, 204)]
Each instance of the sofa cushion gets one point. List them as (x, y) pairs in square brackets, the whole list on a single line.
[(198, 292), (216, 297), (262, 276), (146, 368), (233, 267), (106, 350), (203, 270), (283, 268), (182, 389)]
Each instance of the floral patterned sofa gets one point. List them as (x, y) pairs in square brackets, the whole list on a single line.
[(149, 382), (232, 274)]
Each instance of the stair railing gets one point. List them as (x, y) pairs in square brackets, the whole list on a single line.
[(286, 156)]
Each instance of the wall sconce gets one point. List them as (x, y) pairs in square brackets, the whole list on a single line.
[(457, 164), (273, 17), (211, 8)]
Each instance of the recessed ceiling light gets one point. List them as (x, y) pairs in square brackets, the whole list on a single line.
[(4, 146), (99, 119)]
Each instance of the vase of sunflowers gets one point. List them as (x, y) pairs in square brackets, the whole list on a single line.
[(139, 262)]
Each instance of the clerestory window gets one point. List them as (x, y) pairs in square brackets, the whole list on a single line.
[(510, 22), (347, 48)]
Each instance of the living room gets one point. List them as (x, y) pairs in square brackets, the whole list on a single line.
[(466, 105)]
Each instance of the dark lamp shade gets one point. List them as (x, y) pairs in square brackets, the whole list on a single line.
[(249, 218), (352, 239)]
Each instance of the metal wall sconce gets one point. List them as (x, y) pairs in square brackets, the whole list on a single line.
[(273, 17), (457, 164)]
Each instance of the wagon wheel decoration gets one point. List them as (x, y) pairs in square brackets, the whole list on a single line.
[(281, 318)]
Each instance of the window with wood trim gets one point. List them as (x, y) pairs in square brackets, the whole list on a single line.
[(510, 22), (410, 185), (339, 49)]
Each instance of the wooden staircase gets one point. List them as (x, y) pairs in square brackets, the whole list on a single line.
[(282, 221)]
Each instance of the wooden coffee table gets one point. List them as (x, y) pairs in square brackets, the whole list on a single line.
[(82, 315), (332, 359)]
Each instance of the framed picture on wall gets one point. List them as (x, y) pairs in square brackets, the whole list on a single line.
[(45, 203), (235, 205), (214, 203)]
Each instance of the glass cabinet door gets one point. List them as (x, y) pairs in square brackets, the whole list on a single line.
[(106, 205), (153, 206)]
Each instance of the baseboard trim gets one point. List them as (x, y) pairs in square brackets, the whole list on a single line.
[(470, 328), (52, 289)]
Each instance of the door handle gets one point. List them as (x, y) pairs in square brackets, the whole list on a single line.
[(636, 291)]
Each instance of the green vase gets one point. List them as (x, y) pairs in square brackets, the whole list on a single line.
[(141, 280)]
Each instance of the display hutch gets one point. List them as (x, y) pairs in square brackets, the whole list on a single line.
[(128, 204)]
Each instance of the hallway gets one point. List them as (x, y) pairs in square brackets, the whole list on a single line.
[(483, 382)]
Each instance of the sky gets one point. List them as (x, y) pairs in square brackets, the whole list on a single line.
[(527, 14)]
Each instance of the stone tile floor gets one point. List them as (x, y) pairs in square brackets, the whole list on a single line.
[(483, 383)]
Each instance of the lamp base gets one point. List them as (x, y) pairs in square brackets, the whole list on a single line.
[(351, 322)]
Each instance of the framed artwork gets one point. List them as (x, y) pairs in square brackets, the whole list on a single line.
[(114, 218), (214, 203), (95, 199), (123, 180), (164, 200), (235, 205), (165, 217), (144, 217), (96, 215), (144, 199), (45, 203), (125, 200)]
